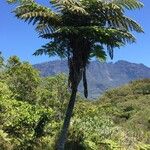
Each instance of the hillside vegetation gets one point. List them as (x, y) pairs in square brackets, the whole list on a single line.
[(32, 109)]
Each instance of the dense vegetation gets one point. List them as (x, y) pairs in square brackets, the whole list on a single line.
[(32, 109)]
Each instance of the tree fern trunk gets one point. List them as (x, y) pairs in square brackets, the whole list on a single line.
[(63, 134)]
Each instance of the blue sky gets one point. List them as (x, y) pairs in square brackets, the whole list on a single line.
[(19, 38)]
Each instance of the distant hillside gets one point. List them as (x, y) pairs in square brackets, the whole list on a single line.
[(101, 76)]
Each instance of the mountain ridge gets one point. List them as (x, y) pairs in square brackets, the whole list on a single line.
[(100, 76)]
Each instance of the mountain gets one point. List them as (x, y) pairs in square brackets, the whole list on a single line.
[(100, 76)]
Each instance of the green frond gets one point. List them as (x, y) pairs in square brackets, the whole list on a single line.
[(132, 25), (73, 6), (111, 13), (44, 18), (120, 35), (98, 52), (128, 4), (106, 36), (19, 1), (53, 48), (96, 33), (124, 23)]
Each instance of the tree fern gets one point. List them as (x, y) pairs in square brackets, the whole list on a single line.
[(79, 30)]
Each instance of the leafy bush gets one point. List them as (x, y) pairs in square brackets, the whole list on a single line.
[(22, 80), (20, 121)]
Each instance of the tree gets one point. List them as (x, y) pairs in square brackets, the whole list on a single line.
[(53, 93), (79, 30), (22, 79)]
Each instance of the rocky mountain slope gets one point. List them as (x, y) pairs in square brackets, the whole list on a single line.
[(101, 76)]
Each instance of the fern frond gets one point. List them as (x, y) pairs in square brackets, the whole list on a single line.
[(111, 13), (19, 1), (128, 4), (39, 15), (53, 48), (73, 6), (98, 52)]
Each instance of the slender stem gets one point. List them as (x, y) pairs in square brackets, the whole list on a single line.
[(63, 134)]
